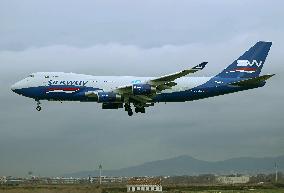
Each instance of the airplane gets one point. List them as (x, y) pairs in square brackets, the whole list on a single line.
[(114, 92)]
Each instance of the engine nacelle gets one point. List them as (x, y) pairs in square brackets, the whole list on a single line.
[(108, 97), (143, 89)]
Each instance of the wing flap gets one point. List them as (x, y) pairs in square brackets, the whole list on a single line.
[(124, 90), (166, 86), (141, 98)]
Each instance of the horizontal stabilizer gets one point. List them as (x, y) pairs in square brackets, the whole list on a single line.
[(252, 81)]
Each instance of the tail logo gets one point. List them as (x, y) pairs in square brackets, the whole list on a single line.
[(248, 63), (247, 66)]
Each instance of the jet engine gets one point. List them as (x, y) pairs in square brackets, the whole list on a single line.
[(108, 97), (143, 89)]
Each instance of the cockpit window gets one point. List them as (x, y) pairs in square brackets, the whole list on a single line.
[(46, 76), (31, 76)]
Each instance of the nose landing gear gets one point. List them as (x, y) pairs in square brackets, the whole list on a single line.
[(38, 107)]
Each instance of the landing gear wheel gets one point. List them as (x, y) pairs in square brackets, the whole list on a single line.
[(38, 108), (130, 112), (127, 106), (136, 110)]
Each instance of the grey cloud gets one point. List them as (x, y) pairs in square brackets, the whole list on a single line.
[(147, 23), (144, 39)]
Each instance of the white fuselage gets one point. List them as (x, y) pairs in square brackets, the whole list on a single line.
[(104, 83)]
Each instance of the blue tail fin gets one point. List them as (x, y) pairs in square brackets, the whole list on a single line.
[(249, 64)]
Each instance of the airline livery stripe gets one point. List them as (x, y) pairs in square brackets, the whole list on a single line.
[(246, 69), (64, 89)]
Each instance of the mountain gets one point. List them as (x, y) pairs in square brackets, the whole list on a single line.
[(187, 165)]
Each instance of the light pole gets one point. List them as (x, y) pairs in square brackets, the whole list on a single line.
[(100, 168), (276, 173)]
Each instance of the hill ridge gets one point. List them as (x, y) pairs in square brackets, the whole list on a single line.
[(188, 165)]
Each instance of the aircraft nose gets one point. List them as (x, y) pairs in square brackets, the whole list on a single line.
[(15, 86)]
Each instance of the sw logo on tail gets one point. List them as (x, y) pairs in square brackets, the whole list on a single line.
[(248, 63), (246, 66), (115, 92)]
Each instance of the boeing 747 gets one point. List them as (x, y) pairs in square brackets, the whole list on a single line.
[(115, 92)]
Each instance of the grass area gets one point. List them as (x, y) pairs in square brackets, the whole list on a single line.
[(52, 189), (238, 191), (96, 189)]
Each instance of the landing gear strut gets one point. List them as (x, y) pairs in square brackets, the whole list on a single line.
[(38, 107), (127, 108)]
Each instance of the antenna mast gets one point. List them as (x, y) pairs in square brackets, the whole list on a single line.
[(276, 173), (100, 168)]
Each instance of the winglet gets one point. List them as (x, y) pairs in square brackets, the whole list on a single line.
[(172, 77), (200, 66)]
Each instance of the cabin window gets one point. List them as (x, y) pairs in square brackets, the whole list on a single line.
[(31, 76)]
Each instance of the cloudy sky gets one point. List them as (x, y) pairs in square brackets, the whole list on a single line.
[(143, 38)]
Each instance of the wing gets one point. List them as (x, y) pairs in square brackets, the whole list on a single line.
[(174, 76), (163, 82), (159, 84)]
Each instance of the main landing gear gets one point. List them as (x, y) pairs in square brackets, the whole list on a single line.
[(138, 109), (38, 107), (127, 108)]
